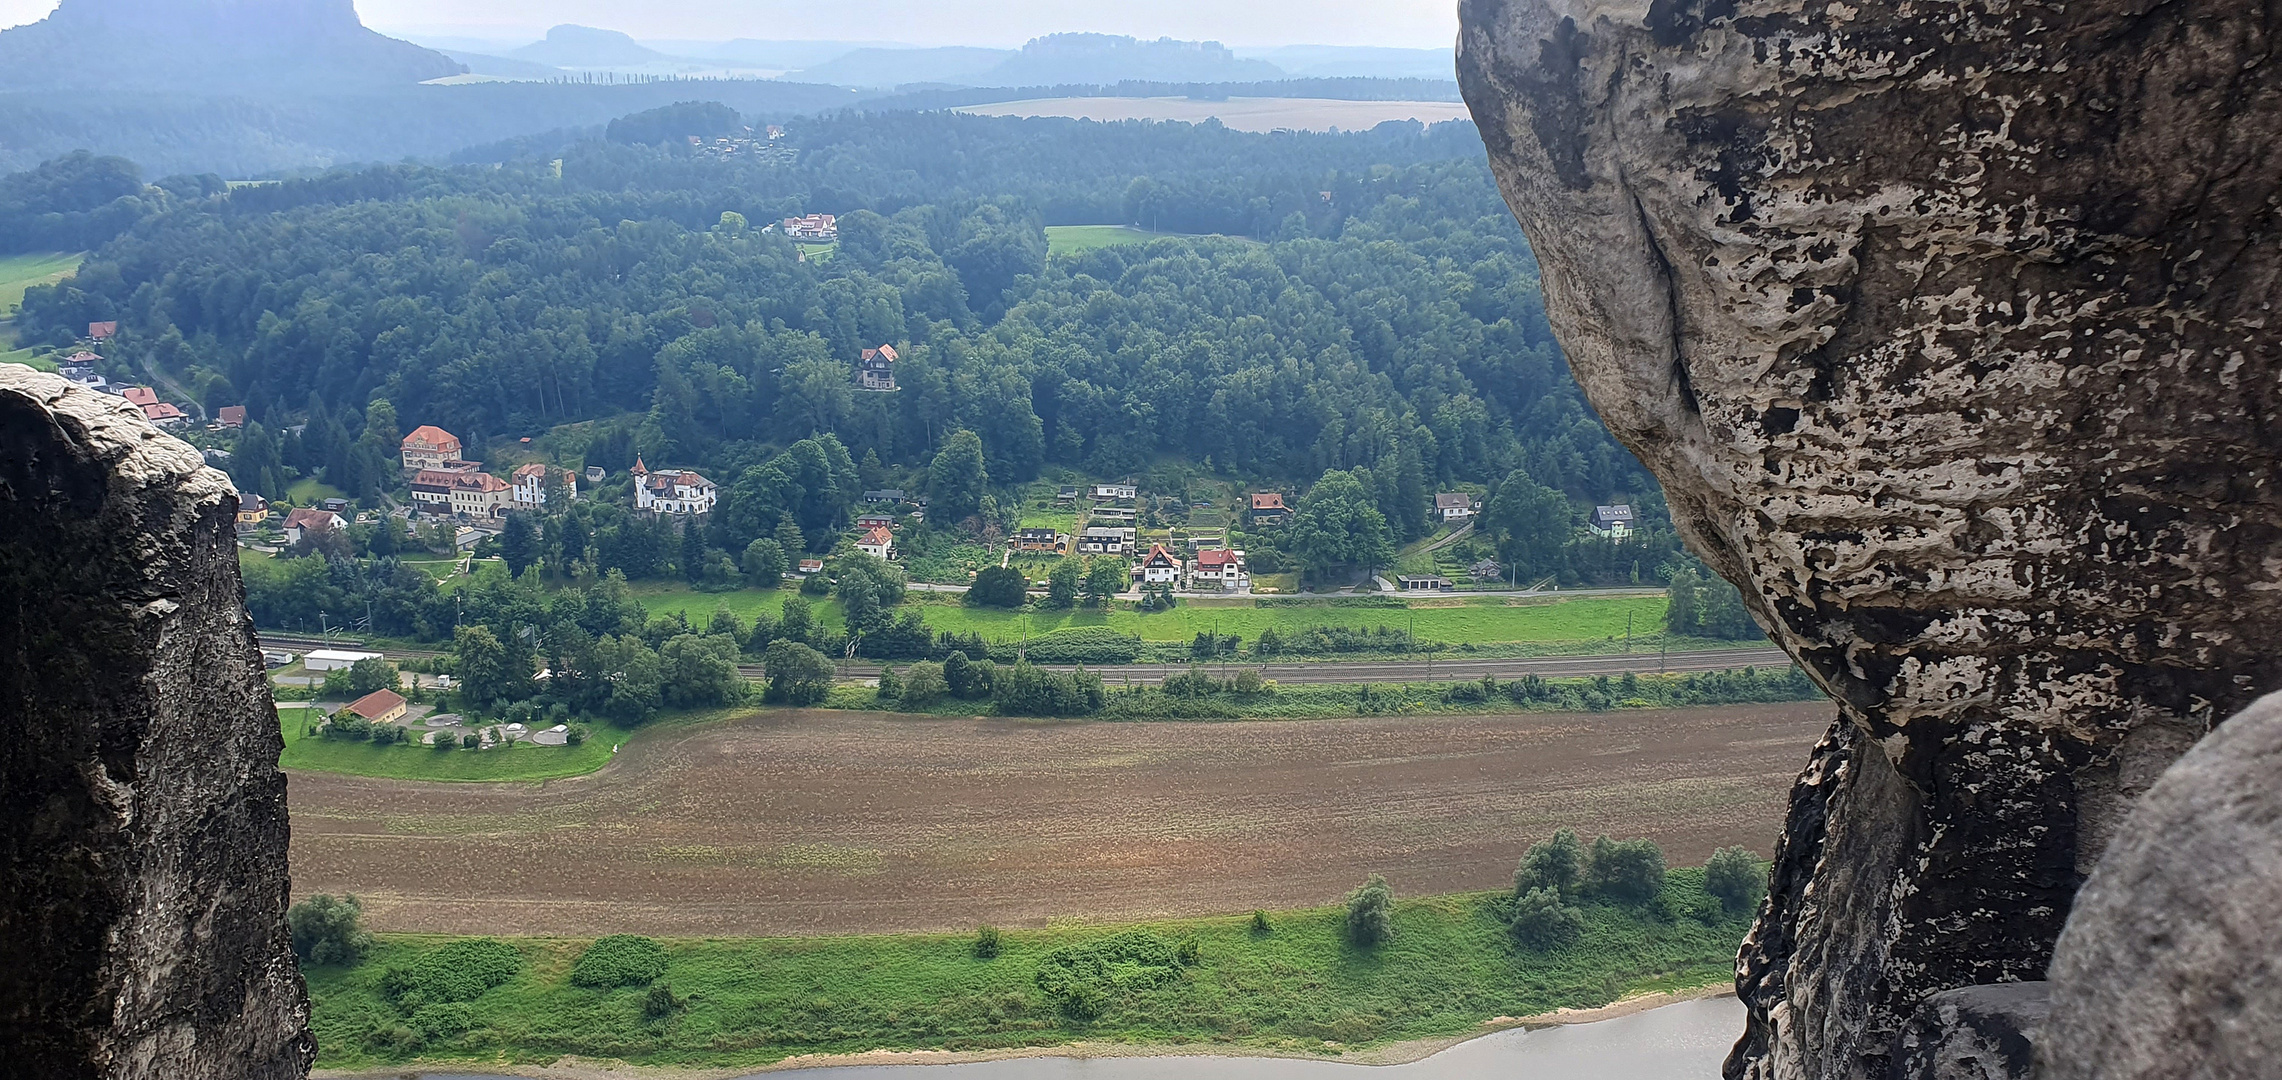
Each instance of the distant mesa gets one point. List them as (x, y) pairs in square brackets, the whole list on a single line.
[(210, 44), (571, 46)]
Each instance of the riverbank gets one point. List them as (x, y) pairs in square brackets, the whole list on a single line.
[(1451, 970), (1401, 1053)]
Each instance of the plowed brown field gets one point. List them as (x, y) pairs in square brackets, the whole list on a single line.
[(813, 823)]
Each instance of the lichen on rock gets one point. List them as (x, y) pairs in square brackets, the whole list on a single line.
[(1948, 328), (142, 813)]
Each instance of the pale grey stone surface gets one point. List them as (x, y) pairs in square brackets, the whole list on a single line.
[(1949, 330), (2171, 966), (142, 813)]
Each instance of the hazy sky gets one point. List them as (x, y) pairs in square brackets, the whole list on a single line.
[(1408, 23)]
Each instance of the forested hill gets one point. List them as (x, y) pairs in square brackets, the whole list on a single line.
[(1378, 308)]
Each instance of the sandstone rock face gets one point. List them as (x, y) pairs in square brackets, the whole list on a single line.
[(1949, 328), (2171, 966), (1974, 1033), (142, 813)]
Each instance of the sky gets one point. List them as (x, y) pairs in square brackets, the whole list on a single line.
[(1001, 23)]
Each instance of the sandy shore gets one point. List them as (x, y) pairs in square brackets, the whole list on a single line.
[(1391, 1054)]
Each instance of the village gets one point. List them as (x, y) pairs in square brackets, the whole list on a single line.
[(1175, 543)]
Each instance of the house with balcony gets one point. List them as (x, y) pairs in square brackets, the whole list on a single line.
[(876, 369), (1222, 567), (529, 485), (1611, 522), (878, 543), (1454, 507), (1159, 567), (1042, 542), (429, 447), (1105, 540)]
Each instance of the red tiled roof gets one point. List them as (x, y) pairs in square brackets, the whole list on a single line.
[(310, 517), (532, 469), (162, 411), (232, 415), (101, 330), (139, 395), (1215, 557), (877, 537), (884, 352), (1268, 500), (428, 437), (481, 481), (377, 704), (1158, 555)]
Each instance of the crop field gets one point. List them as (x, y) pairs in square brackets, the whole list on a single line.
[(1242, 114), (818, 822)]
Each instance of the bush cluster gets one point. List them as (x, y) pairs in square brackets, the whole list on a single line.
[(460, 970), (1556, 874), (1371, 912), (619, 960), (1082, 980), (326, 930)]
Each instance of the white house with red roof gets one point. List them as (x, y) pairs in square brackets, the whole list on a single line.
[(673, 491), (1159, 567), (480, 495), (878, 543), (307, 519), (1222, 567)]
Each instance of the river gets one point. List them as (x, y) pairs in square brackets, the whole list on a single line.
[(1686, 1041)]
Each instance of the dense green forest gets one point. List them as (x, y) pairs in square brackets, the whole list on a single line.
[(1372, 316)]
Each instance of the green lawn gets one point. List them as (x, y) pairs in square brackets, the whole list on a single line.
[(308, 490), (21, 272), (1073, 239), (1300, 987), (1475, 621), (416, 762), (1451, 620)]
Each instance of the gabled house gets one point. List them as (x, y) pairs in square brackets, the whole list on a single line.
[(878, 543), (154, 410), (1044, 541), (815, 228), (102, 331), (1453, 506), (673, 491), (1268, 508), (1611, 522), (231, 416), (876, 370), (379, 707), (1222, 567), (429, 447), (252, 510), (528, 485), (1159, 567), (1486, 569), (811, 566), (1105, 540), (301, 522), (868, 522)]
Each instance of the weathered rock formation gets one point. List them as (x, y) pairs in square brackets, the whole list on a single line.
[(142, 813), (2171, 966), (1949, 328)]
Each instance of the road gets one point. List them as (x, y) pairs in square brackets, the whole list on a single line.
[(1304, 671)]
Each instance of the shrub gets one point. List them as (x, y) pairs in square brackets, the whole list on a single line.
[(1260, 923), (986, 943), (328, 931), (1081, 979), (1542, 921), (1371, 912), (457, 971), (443, 1020), (1083, 645), (662, 1002), (619, 960), (1631, 871), (1557, 864), (1733, 875), (891, 686), (469, 741)]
